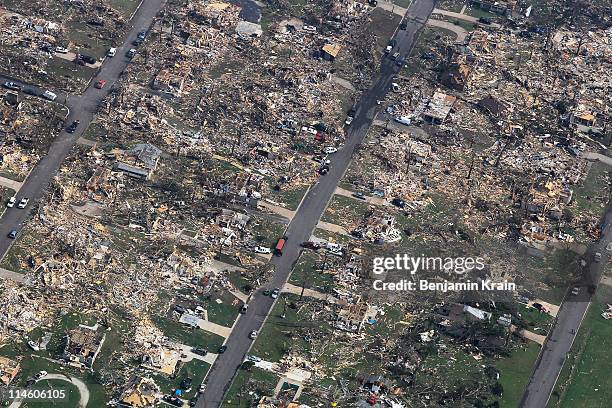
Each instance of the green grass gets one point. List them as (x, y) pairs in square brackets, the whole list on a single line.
[(402, 3), (12, 175), (290, 197), (278, 336), (72, 395), (252, 379), (185, 335), (345, 211), (585, 379), (307, 272), (514, 373), (194, 369), (266, 232), (125, 7), (476, 11), (223, 313), (591, 196), (15, 258)]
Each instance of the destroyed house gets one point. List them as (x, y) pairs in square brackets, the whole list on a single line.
[(456, 76), (142, 159), (351, 317), (169, 81), (141, 393), (82, 346), (330, 51), (8, 370), (437, 109), (494, 106)]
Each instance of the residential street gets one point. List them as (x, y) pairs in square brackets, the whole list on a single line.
[(309, 213), (551, 359), (83, 108)]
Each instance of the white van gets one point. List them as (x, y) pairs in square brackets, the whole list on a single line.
[(111, 52), (404, 120)]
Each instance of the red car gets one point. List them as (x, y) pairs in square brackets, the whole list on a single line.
[(100, 84)]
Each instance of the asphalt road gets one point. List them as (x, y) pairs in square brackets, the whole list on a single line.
[(83, 108), (311, 209), (558, 344)]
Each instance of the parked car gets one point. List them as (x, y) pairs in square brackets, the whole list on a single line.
[(61, 50), (395, 56), (597, 256), (310, 245), (309, 28), (267, 292), (131, 53), (404, 120), (275, 293), (142, 34), (350, 116), (100, 84), (24, 201), (262, 250), (222, 349), (87, 58), (390, 45), (484, 20), (137, 42), (400, 62), (244, 308), (398, 202), (73, 126), (403, 25), (359, 195), (12, 234), (253, 334), (111, 52), (12, 85), (575, 291), (330, 150), (199, 351), (40, 375), (11, 202), (49, 95)]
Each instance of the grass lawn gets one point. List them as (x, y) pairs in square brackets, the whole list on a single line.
[(125, 7), (585, 379), (72, 395), (514, 373), (402, 3), (250, 385), (266, 232), (194, 369), (15, 258), (345, 211), (184, 335), (591, 196), (12, 175), (278, 336), (305, 271), (290, 197)]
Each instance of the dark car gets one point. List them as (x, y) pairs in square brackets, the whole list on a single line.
[(392, 43), (310, 245), (323, 170), (222, 349), (484, 20), (173, 400), (359, 195), (267, 292), (357, 233), (142, 34), (398, 202), (403, 25), (399, 62), (73, 126), (137, 42), (199, 351), (130, 53), (193, 401), (87, 58), (12, 85), (12, 234)]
